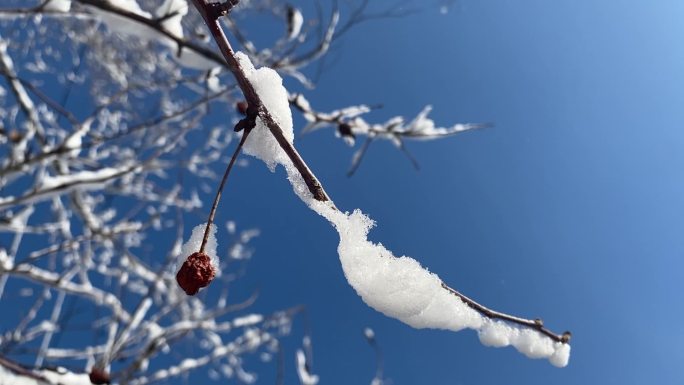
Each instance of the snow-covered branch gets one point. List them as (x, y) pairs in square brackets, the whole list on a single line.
[(399, 287)]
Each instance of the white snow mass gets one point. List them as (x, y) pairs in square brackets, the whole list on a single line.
[(57, 6), (172, 12), (269, 86), (398, 287), (305, 377), (193, 245)]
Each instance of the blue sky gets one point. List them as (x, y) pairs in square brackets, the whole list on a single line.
[(570, 208)]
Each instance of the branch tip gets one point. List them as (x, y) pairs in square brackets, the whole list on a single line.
[(565, 338), (536, 323)]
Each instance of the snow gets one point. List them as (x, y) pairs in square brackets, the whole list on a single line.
[(173, 11), (213, 81), (7, 66), (191, 59), (193, 245), (527, 341), (139, 315), (6, 263), (269, 86), (422, 127), (85, 179), (401, 288), (130, 6), (154, 331), (57, 6), (63, 376), (295, 20), (305, 377), (79, 180), (398, 287), (58, 376), (75, 140), (8, 377), (126, 26), (247, 320), (18, 221)]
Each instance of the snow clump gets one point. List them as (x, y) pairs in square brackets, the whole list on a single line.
[(269, 86)]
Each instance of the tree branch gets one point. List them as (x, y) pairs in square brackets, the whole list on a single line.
[(536, 323), (210, 13)]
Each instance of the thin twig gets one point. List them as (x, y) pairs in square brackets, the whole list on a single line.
[(536, 324), (217, 198), (358, 156)]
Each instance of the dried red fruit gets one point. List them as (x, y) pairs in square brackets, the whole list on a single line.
[(196, 272), (99, 376)]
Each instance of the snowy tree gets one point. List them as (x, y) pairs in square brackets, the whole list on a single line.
[(83, 187)]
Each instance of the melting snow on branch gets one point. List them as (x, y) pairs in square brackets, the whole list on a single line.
[(398, 287)]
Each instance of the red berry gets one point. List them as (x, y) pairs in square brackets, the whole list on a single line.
[(196, 272), (99, 376)]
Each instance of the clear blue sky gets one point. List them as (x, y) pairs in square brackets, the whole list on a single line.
[(571, 208)]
